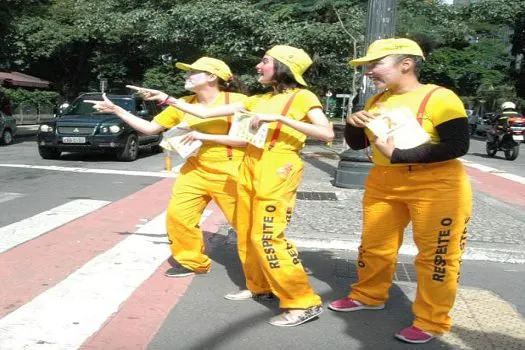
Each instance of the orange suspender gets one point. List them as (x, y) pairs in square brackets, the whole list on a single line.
[(229, 150), (277, 130), (376, 98), (420, 111), (423, 105)]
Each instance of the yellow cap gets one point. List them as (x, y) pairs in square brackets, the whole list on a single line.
[(210, 65), (295, 59), (385, 47)]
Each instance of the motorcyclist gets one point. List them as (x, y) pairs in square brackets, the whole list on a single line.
[(501, 121), (508, 111)]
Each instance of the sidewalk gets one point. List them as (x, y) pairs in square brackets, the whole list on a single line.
[(487, 314), (482, 318)]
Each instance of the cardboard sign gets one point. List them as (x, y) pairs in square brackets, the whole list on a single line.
[(172, 141), (242, 129), (402, 125)]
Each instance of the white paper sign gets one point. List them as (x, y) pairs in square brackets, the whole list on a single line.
[(172, 141), (402, 125), (242, 129)]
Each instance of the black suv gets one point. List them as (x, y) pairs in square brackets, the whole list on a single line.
[(80, 128)]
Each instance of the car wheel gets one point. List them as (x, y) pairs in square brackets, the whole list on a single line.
[(130, 151), (7, 137), (49, 152)]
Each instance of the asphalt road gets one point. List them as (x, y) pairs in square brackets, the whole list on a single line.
[(203, 319)]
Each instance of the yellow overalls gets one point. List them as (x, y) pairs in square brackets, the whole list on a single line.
[(436, 198), (268, 181), (210, 175)]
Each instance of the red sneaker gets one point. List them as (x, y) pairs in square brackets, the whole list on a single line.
[(414, 335), (348, 304)]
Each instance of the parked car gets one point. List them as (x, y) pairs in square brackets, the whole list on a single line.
[(7, 128), (80, 128)]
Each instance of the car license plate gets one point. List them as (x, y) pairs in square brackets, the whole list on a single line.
[(517, 137), (74, 139)]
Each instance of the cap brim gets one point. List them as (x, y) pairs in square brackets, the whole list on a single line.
[(365, 60), (300, 79), (183, 66)]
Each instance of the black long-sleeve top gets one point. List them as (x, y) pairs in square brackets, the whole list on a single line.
[(454, 136)]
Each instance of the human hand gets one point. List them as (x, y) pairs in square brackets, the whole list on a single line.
[(386, 147), (258, 119), (193, 136), (104, 106), (149, 94), (361, 118)]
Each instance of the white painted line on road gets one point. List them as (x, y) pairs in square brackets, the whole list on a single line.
[(24, 230), (471, 253), (64, 316), (7, 196), (494, 171), (166, 174)]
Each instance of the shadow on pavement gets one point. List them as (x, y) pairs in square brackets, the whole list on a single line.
[(483, 155), (321, 165), (244, 324)]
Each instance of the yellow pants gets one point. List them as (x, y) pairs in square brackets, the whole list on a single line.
[(266, 192), (199, 182), (437, 198)]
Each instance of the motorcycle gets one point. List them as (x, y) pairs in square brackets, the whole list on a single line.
[(506, 138)]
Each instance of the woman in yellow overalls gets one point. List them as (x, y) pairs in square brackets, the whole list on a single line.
[(211, 174), (426, 185), (268, 181)]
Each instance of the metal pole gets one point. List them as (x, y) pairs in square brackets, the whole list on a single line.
[(354, 165), (381, 24)]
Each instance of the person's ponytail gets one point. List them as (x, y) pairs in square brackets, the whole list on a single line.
[(233, 85)]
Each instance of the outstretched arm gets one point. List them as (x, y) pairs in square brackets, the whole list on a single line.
[(215, 138), (144, 126), (195, 109), (319, 128)]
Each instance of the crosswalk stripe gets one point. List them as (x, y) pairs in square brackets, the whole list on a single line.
[(494, 171), (166, 174), (64, 316), (7, 196), (27, 229)]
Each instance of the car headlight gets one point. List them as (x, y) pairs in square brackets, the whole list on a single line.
[(104, 129), (46, 128), (114, 129)]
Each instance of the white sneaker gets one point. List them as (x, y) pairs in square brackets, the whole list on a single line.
[(246, 294), (293, 318)]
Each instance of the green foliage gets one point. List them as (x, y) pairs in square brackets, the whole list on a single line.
[(165, 78), (75, 42), (17, 96)]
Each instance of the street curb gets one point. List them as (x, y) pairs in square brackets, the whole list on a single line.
[(474, 251)]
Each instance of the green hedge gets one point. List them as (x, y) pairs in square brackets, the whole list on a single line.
[(16, 96)]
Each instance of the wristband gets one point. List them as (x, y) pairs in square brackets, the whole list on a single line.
[(168, 101)]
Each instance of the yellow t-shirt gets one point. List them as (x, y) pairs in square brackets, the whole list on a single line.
[(172, 116), (443, 105), (304, 100)]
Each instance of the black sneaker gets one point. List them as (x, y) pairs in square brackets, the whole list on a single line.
[(178, 271)]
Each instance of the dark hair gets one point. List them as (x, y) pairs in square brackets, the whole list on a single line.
[(232, 85), (418, 61), (283, 78)]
